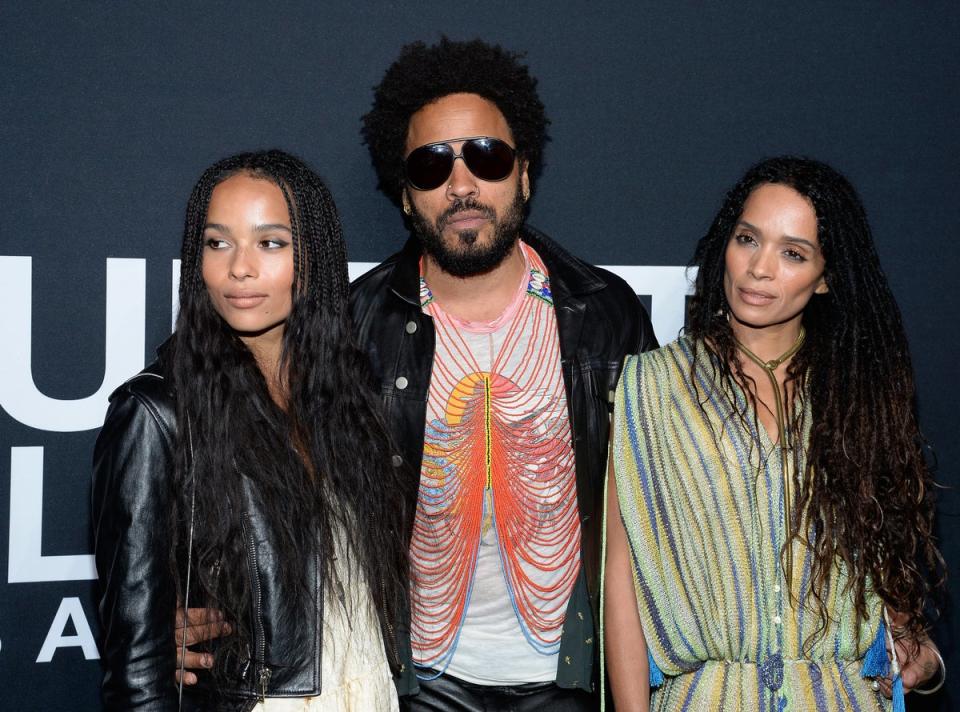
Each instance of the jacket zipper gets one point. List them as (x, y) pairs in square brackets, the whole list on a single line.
[(265, 672), (386, 619)]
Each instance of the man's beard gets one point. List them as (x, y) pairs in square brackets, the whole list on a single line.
[(467, 258)]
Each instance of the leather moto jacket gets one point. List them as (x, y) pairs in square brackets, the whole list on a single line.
[(132, 495), (600, 320)]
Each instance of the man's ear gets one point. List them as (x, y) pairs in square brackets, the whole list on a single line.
[(405, 200)]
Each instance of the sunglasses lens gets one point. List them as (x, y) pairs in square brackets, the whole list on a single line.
[(488, 158), (429, 166)]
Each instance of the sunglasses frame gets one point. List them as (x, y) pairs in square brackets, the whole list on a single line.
[(465, 140)]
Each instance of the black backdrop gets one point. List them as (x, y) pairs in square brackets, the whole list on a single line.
[(110, 110)]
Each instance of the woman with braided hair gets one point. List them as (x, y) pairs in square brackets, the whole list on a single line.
[(770, 511), (247, 471)]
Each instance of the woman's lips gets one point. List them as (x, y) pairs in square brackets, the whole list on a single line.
[(245, 301), (755, 297)]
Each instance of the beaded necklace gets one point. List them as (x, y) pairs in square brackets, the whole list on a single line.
[(500, 457), (784, 437)]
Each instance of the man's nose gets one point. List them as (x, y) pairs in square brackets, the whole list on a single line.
[(462, 183)]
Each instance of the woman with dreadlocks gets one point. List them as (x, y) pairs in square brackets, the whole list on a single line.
[(247, 470), (770, 510)]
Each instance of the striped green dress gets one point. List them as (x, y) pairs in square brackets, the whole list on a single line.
[(701, 497)]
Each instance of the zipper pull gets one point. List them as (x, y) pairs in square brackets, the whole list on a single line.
[(265, 673)]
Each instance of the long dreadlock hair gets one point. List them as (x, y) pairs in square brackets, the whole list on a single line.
[(320, 462), (866, 495)]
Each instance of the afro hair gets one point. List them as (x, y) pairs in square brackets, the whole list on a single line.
[(423, 74)]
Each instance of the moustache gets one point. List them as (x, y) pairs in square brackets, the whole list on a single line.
[(460, 206)]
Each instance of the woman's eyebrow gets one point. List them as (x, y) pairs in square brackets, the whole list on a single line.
[(218, 227), (800, 241), (787, 238), (270, 227)]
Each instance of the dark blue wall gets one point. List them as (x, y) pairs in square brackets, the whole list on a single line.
[(109, 111)]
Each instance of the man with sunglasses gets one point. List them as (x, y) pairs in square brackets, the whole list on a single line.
[(495, 352)]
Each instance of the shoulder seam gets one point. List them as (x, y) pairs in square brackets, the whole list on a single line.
[(150, 406)]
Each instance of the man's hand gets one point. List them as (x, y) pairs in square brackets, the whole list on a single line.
[(197, 625), (918, 663)]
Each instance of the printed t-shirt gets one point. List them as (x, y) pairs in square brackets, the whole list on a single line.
[(496, 542)]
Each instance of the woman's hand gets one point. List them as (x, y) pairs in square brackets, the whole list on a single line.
[(919, 662)]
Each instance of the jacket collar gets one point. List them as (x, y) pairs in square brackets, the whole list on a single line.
[(405, 280), (569, 276)]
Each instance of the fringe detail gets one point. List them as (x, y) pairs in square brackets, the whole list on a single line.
[(656, 674), (875, 662), (899, 704)]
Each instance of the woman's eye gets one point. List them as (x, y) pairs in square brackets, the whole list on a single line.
[(214, 243), (794, 256), (274, 243), (743, 239)]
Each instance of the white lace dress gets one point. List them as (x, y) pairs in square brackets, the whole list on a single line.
[(356, 675)]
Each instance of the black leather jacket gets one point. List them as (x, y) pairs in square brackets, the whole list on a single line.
[(599, 319), (132, 493)]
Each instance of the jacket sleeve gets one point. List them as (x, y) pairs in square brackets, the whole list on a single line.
[(631, 320), (648, 339), (132, 467)]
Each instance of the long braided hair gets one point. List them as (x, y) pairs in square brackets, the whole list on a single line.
[(320, 463), (866, 495)]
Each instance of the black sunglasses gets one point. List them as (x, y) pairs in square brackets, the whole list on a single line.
[(429, 166)]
